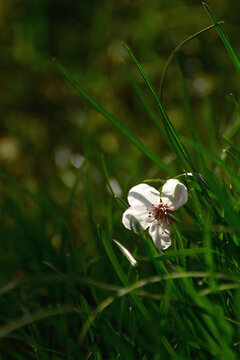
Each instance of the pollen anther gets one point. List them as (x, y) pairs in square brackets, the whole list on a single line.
[(161, 212)]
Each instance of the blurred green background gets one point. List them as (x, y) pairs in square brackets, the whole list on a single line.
[(47, 129), (49, 208), (53, 190)]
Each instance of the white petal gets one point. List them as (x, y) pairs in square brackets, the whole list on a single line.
[(143, 196), (174, 193), (136, 220), (160, 235)]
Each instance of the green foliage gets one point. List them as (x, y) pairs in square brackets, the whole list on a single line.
[(75, 284)]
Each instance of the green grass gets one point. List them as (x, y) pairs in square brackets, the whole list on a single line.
[(69, 290)]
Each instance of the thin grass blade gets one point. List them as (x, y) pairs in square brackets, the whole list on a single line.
[(176, 143), (177, 48), (122, 129), (123, 278), (232, 52)]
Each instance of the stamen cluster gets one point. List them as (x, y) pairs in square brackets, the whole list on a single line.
[(160, 212)]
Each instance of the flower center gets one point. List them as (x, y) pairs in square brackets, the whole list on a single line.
[(161, 212)]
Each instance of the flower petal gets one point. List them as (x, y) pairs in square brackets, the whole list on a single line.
[(160, 235), (136, 220), (143, 196), (174, 194)]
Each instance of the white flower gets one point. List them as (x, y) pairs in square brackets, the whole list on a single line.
[(150, 209)]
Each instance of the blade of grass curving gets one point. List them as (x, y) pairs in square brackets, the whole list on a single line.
[(176, 143), (121, 128), (177, 48), (142, 283), (223, 287), (127, 254), (232, 52), (189, 111), (187, 101), (49, 279), (36, 281), (103, 305)]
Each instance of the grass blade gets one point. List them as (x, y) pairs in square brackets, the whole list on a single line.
[(234, 179), (135, 141), (177, 145), (177, 48), (230, 214), (123, 278), (139, 285), (232, 52), (127, 254), (151, 113), (121, 202)]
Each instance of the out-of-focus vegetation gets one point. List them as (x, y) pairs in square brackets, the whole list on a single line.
[(53, 189), (47, 129)]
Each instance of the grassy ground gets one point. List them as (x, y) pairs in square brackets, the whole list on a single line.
[(84, 119)]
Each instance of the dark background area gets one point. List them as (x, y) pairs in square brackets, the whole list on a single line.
[(49, 206), (47, 129)]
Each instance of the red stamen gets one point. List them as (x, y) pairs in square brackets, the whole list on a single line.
[(161, 213)]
